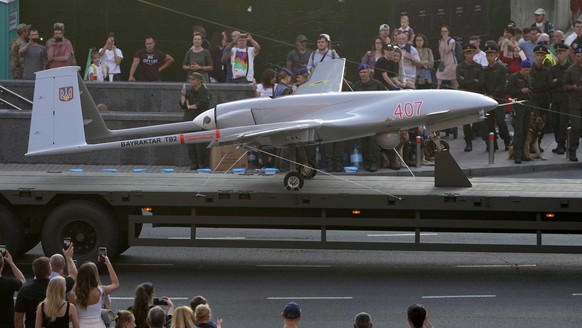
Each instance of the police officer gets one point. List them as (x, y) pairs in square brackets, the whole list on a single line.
[(573, 85), (559, 97), (518, 87), (541, 83), (494, 77), (470, 78)]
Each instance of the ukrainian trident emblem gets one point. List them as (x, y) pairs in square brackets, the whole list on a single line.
[(66, 94)]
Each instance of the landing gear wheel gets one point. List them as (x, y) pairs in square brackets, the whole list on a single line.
[(309, 171), (293, 181), (89, 225), (12, 232)]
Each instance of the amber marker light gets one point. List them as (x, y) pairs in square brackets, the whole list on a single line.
[(148, 209), (550, 215), (356, 212)]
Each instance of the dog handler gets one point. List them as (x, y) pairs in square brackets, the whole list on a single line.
[(518, 87)]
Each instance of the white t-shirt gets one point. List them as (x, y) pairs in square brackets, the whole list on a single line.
[(98, 71), (108, 60), (316, 57), (481, 58), (265, 92), (241, 62), (570, 39)]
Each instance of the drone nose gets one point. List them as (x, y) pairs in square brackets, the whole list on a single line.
[(205, 121)]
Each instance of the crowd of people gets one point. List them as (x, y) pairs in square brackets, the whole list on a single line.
[(62, 296), (536, 66)]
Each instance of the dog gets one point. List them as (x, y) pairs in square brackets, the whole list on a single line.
[(531, 147)]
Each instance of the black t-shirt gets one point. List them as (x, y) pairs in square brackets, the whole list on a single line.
[(388, 66), (29, 296), (8, 285), (149, 64)]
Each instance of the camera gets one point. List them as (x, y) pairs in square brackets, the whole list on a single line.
[(102, 251), (160, 301), (67, 242), (243, 35), (3, 250)]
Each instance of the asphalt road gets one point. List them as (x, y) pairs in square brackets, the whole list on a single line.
[(249, 287)]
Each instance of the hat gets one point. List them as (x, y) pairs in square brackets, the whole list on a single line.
[(525, 64), (561, 47), (469, 47), (363, 66), (540, 11), (363, 320), (196, 76), (490, 48), (384, 27), (578, 50), (302, 70), (22, 28), (326, 36), (286, 70), (301, 37), (292, 311), (541, 49), (389, 46)]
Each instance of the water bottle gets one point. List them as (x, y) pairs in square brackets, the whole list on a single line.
[(318, 162), (252, 158), (356, 157)]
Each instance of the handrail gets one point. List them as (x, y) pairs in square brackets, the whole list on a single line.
[(15, 94), (9, 103)]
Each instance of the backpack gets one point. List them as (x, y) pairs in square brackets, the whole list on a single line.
[(458, 50)]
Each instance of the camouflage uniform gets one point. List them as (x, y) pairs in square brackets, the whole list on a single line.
[(470, 78), (16, 60), (560, 108), (573, 77), (521, 112), (494, 78)]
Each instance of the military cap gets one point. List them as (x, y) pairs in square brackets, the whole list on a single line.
[(302, 70), (541, 49), (561, 47), (491, 48), (196, 76), (469, 47)]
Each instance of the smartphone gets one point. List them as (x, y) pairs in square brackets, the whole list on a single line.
[(103, 251), (184, 86), (67, 242), (160, 301), (3, 250), (243, 35)]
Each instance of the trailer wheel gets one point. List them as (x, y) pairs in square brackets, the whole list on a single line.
[(293, 181), (89, 225), (11, 231)]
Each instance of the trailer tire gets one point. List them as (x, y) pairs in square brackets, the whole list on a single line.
[(89, 225), (12, 232)]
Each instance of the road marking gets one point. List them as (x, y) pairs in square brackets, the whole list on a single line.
[(311, 298), (399, 234), (211, 238), (120, 298), (497, 266), (577, 294), (293, 265), (459, 296), (145, 264)]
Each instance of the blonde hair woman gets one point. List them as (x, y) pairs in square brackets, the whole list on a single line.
[(54, 311), (183, 318)]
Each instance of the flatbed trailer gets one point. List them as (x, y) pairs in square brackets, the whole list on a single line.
[(108, 209)]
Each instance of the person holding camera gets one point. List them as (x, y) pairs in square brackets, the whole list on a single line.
[(59, 262), (89, 293), (242, 57), (144, 301), (8, 285)]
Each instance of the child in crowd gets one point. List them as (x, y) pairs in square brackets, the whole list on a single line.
[(96, 72), (203, 314)]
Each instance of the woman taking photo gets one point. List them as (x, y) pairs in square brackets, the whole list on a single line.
[(55, 311), (88, 293), (448, 65), (424, 74)]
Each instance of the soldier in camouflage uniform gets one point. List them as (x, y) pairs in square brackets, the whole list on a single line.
[(559, 97), (519, 87), (16, 59), (470, 78), (541, 84), (573, 85)]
